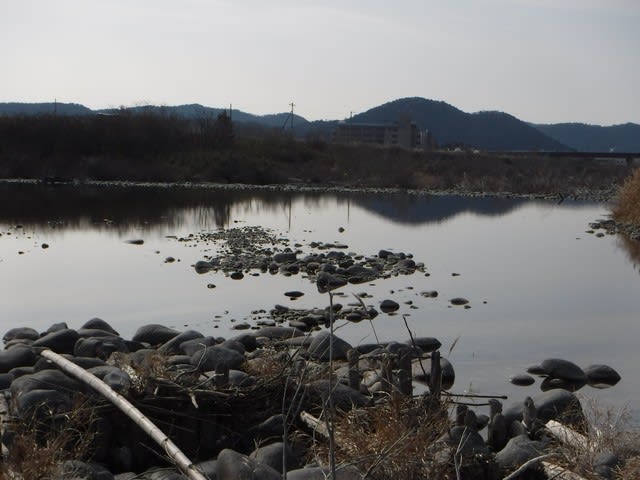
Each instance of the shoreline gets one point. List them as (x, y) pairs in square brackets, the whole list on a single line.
[(578, 194)]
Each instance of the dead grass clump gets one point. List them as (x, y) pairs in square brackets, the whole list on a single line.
[(38, 448), (393, 440), (608, 431), (627, 206)]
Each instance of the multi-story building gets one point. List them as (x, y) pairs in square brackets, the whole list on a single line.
[(404, 134)]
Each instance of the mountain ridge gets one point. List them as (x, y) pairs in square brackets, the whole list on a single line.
[(487, 130)]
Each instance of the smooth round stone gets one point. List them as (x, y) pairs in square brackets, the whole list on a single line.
[(21, 333), (459, 301), (601, 376), (426, 344), (388, 306), (564, 370), (294, 294), (137, 241), (536, 370), (237, 275), (522, 380), (99, 324)]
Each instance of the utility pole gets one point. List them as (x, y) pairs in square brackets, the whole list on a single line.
[(292, 105)]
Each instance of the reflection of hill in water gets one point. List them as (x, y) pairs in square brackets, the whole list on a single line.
[(416, 210), (81, 207)]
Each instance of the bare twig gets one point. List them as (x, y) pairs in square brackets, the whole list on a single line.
[(526, 465)]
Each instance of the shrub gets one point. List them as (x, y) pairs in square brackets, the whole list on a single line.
[(627, 206)]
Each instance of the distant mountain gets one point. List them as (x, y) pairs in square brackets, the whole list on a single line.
[(44, 108), (484, 130), (594, 138), (448, 125)]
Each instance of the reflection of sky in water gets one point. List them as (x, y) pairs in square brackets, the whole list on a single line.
[(548, 293)]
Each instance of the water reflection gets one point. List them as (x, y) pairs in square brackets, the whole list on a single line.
[(81, 207), (632, 248)]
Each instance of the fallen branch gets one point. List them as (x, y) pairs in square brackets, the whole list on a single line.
[(526, 465), (568, 436), (128, 409), (558, 473)]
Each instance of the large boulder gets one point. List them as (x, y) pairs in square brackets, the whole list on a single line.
[(518, 451), (235, 466), (278, 333), (564, 370), (600, 376), (272, 455), (60, 341), (43, 403), (154, 334), (99, 347), (99, 324), (212, 357), (322, 473), (172, 346), (424, 376), (323, 342), (44, 380), (18, 356), (21, 333)]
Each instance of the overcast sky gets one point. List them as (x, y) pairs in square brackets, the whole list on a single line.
[(540, 60)]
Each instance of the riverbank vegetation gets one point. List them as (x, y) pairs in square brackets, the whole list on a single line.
[(149, 146), (627, 206)]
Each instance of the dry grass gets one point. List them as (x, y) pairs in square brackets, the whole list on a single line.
[(627, 206), (608, 431), (38, 449), (393, 440)]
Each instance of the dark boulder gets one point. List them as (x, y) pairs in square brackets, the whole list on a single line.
[(522, 380), (278, 333), (99, 324), (235, 466), (172, 347), (216, 356), (344, 397), (564, 370), (190, 347), (273, 455), (518, 451), (601, 376), (388, 306), (557, 404), (99, 347), (319, 348), (426, 344), (44, 380), (43, 403), (60, 341), (21, 333), (322, 473), (18, 356), (448, 373), (154, 334)]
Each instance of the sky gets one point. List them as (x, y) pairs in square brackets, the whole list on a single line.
[(544, 61)]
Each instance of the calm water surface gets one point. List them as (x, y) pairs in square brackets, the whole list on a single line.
[(551, 290)]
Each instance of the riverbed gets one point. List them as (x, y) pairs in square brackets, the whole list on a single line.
[(538, 285)]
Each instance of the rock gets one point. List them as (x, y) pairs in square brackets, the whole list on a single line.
[(190, 347), (42, 403), (429, 294), (564, 370), (60, 341), (469, 441), (136, 241), (57, 327), (536, 370), (294, 294), (522, 380), (208, 468), (285, 257), (99, 347), (278, 333), (272, 455), (94, 332), (202, 267), (557, 404), (320, 343), (99, 324), (44, 380), (248, 340), (388, 306), (326, 282), (172, 346), (426, 344), (213, 357), (459, 301), (235, 466), (236, 275), (77, 470), (238, 378), (322, 473), (448, 373), (599, 376), (5, 380), (18, 356), (344, 397), (22, 333), (518, 450), (154, 334)]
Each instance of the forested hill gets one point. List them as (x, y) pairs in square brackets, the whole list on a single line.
[(595, 138), (448, 125)]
